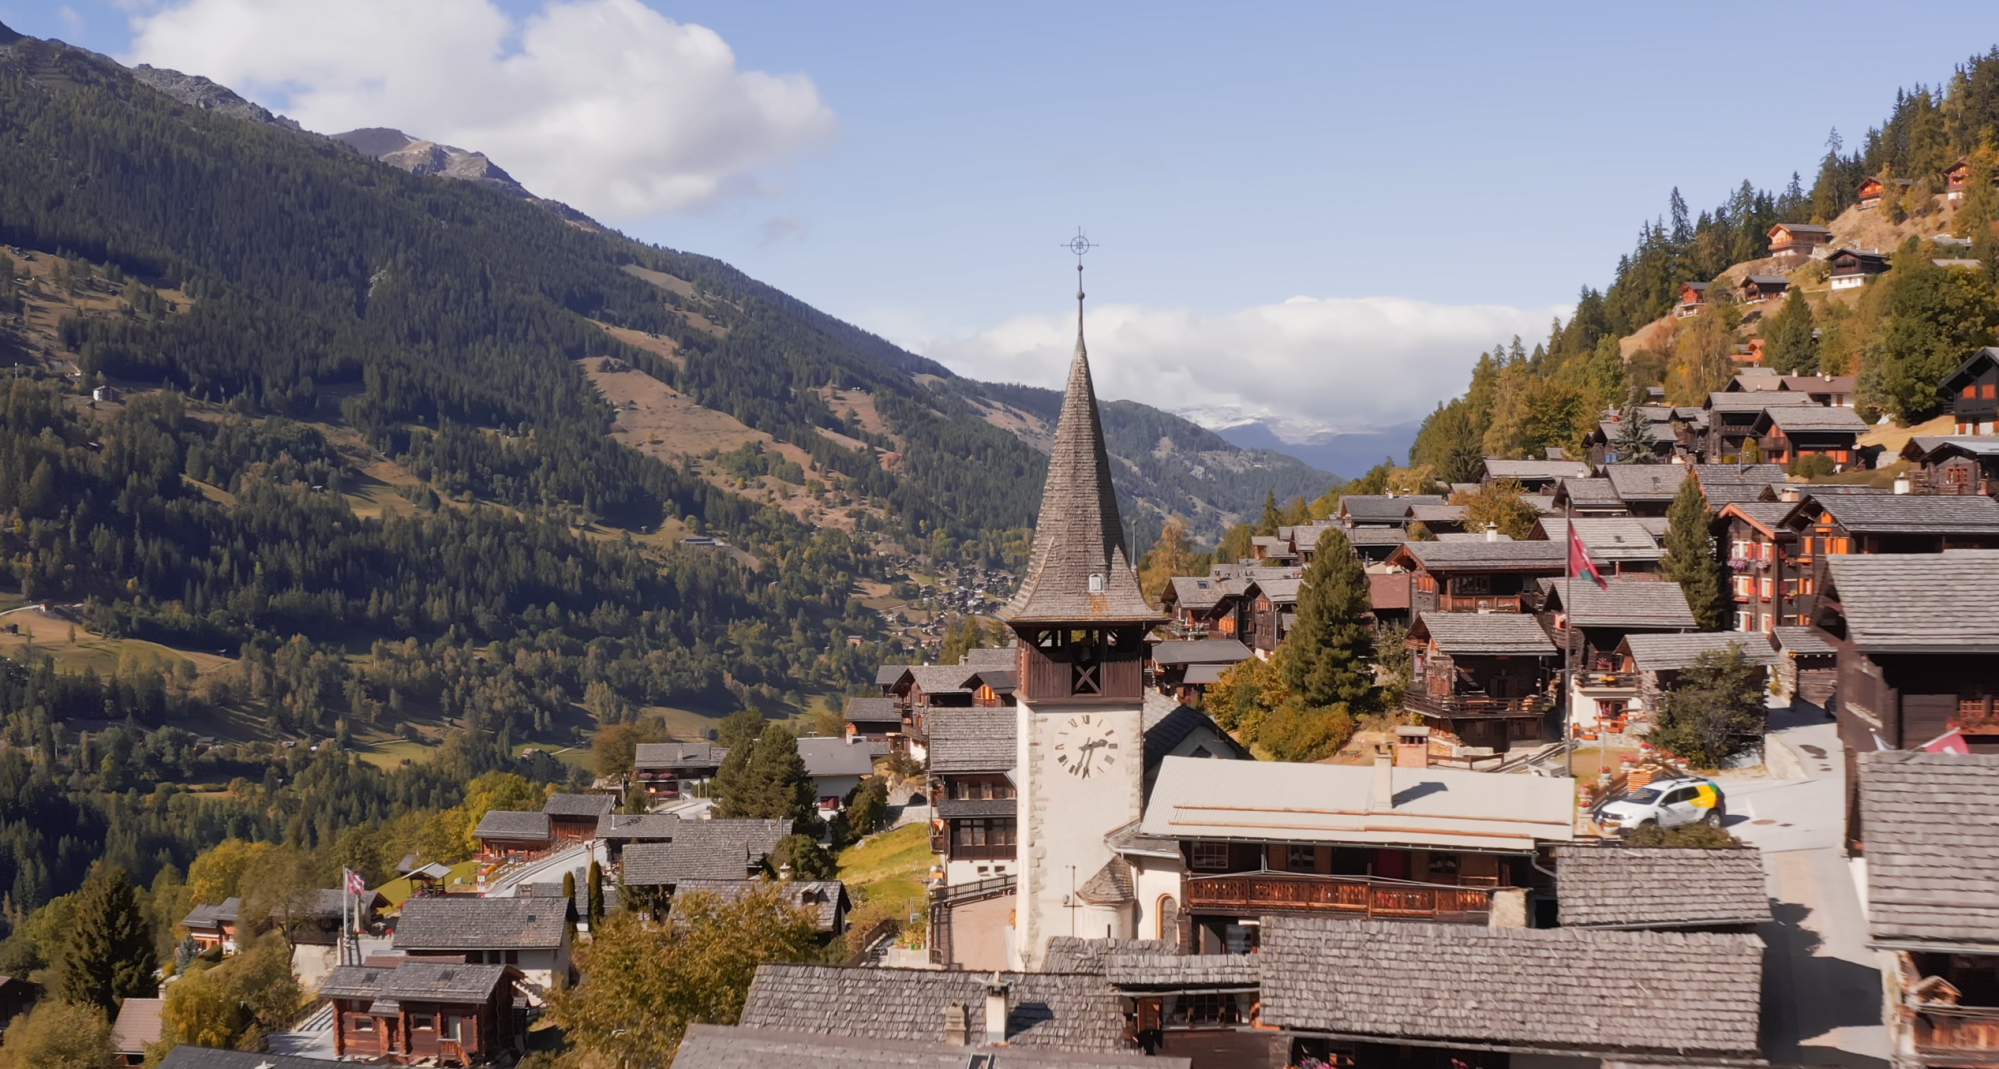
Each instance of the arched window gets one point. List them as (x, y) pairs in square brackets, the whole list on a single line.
[(1169, 919)]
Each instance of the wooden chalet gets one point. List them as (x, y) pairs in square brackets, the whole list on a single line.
[(1534, 476), (1957, 179), (1655, 661), (1646, 489), (1851, 268), (1827, 526), (1274, 603), (1966, 464), (876, 719), (526, 932), (1732, 420), (1748, 354), (1480, 680), (1693, 296), (1589, 497), (836, 766), (1479, 575), (1810, 665), (1184, 669), (402, 1012), (135, 1028), (514, 836), (214, 925), (1973, 390), (1204, 606), (1621, 546), (1928, 826), (1383, 510), (1790, 433), (572, 818), (1769, 583), (1834, 391), (1796, 241), (664, 769), (1874, 187), (1917, 637), (1595, 620), (1391, 595), (1759, 288), (620, 830), (1602, 442), (972, 794)]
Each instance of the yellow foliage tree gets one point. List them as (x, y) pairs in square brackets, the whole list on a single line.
[(218, 873), (58, 1035), (497, 790), (1173, 555)]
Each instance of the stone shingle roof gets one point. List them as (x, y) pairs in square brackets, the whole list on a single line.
[(992, 657), (1200, 651), (1804, 642), (1608, 537), (579, 805), (889, 675), (1727, 474), (831, 757), (1910, 513), (1501, 468), (1066, 1011), (1674, 652), (1459, 634), (1383, 508), (468, 922), (1667, 887), (678, 755), (873, 711), (1764, 514), (977, 739), (1622, 603), (186, 1057), (704, 850), (212, 915), (1596, 493), (1374, 536), (414, 981), (508, 824), (1479, 554), (1167, 723), (942, 678), (1719, 494), (1128, 970), (1645, 482), (1930, 824), (628, 827), (1755, 402), (708, 1046), (1078, 539), (1793, 418), (1197, 592), (1560, 989), (1074, 954), (1919, 602)]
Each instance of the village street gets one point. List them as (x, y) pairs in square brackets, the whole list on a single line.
[(1822, 997)]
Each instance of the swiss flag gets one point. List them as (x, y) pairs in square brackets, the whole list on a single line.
[(1951, 741), (1579, 563)]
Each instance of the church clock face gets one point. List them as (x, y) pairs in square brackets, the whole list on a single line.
[(1085, 746)]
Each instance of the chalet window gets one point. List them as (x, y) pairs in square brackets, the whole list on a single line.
[(1213, 857), (1769, 586), (360, 1022), (1988, 391), (423, 1022), (996, 831), (1971, 391), (1426, 583), (1745, 620), (1443, 867), (513, 957), (1301, 858), (1472, 584), (1744, 586)]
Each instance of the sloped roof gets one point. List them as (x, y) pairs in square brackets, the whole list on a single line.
[(1383, 508), (1645, 482), (1912, 513), (834, 757), (889, 675), (508, 824), (1608, 537), (1068, 1011), (1804, 642), (1792, 419), (1198, 592), (1930, 824), (1460, 634), (1205, 674), (1755, 402), (1131, 970), (579, 805), (1819, 383), (1767, 515), (975, 739), (942, 678), (1594, 493), (1074, 954), (1479, 554), (189, 1057), (1665, 887), (1437, 513), (1388, 590), (1374, 536), (137, 1025), (1502, 468), (469, 922), (1973, 366), (1200, 651), (1167, 723), (1111, 886), (678, 755), (705, 850), (1676, 652), (873, 711), (1078, 538), (821, 898), (1622, 603), (1718, 474), (708, 1046), (212, 915), (1721, 494), (629, 827), (1919, 602), (1540, 989), (415, 981)]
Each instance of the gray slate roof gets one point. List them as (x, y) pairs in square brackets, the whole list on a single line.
[(1608, 537), (1804, 642), (976, 739), (992, 657), (1167, 722), (825, 758), (1074, 954), (1479, 554), (1666, 887), (889, 675), (1645, 482), (1910, 513), (821, 898), (1077, 534), (1110, 886), (1200, 651), (1920, 602), (705, 850), (579, 805), (1066, 1011), (708, 1046), (186, 1057), (678, 755), (1717, 474), (1128, 970), (1793, 418), (1198, 592), (873, 711), (212, 915), (1374, 536), (469, 922), (508, 824), (415, 981), (1930, 823), (1675, 652), (1460, 634), (1755, 402), (1597, 493), (1539, 989), (1637, 603), (1764, 514), (942, 678), (1501, 468)]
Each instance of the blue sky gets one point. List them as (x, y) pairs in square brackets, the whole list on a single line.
[(1429, 177)]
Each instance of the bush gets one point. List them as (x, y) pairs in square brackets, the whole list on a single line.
[(1714, 711), (1813, 466), (1696, 835)]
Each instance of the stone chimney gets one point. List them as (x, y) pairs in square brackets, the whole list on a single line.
[(956, 1025), (1412, 747), (1509, 908), (996, 1011), (1384, 780)]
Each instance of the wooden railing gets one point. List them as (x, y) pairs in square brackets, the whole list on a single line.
[(1373, 899), (1478, 603), (1948, 1035), (1474, 705)]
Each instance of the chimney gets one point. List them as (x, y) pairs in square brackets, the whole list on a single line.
[(996, 1011), (1384, 780), (955, 1026), (1492, 532), (1412, 747), (1902, 484)]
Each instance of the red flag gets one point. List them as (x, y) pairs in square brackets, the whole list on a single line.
[(1579, 563), (1951, 741), (355, 884)]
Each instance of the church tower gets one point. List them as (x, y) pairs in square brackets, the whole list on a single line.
[(1082, 622)]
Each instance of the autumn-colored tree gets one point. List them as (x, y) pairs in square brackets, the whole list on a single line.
[(1701, 362), (1235, 544), (498, 790), (59, 1035), (1501, 503), (217, 874), (1173, 555)]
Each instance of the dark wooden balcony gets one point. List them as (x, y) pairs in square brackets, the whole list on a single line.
[(1472, 705), (1359, 897), (1956, 1035), (1478, 603)]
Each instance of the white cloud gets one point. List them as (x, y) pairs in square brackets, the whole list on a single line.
[(1305, 364), (605, 104)]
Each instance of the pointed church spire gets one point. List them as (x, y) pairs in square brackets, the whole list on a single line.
[(1080, 571)]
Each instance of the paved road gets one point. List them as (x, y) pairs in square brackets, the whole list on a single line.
[(1822, 987), (550, 869)]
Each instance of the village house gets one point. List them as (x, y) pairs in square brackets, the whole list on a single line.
[(973, 825), (1825, 526), (1768, 583), (877, 720), (1759, 288), (1685, 889), (1727, 484), (1789, 434), (1185, 669), (1797, 241), (572, 818), (1851, 268), (1646, 489), (1201, 606), (1621, 546), (529, 934), (1693, 295), (1928, 829), (1371, 544), (1973, 390), (1594, 496), (410, 1011), (17, 996), (708, 1046), (1594, 621), (994, 687), (136, 1027), (1480, 575), (620, 830), (214, 925), (312, 921), (1275, 605), (1480, 680), (1810, 666), (1382, 510), (1656, 660), (837, 766), (1732, 420), (1020, 1011), (1391, 596), (1272, 550), (1915, 635), (664, 769), (1602, 442), (1834, 391), (705, 850), (1873, 188), (1534, 476), (1954, 465), (507, 836), (1957, 179)]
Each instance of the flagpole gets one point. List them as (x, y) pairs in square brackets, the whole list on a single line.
[(1568, 635)]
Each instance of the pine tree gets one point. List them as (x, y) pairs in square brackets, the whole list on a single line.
[(594, 901), (1788, 346), (771, 784), (1272, 519), (108, 956), (1329, 655), (1633, 444), (1690, 556)]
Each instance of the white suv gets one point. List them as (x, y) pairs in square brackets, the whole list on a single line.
[(1667, 803)]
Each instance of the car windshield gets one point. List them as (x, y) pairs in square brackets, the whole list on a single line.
[(1642, 796)]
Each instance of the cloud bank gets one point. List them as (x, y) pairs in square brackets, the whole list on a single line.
[(1304, 365), (605, 104)]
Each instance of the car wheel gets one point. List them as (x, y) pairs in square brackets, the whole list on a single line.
[(1713, 817), (1649, 822)]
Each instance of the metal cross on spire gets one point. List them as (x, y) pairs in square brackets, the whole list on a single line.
[(1080, 245)]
